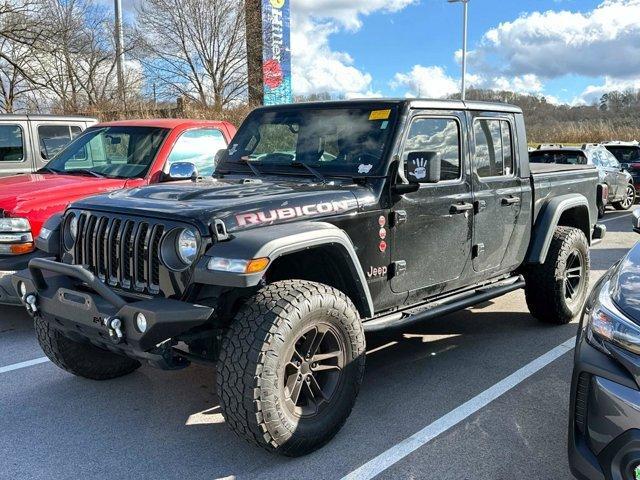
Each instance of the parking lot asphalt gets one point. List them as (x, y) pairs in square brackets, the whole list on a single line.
[(155, 424)]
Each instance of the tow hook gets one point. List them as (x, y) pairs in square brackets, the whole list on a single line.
[(115, 329), (30, 302)]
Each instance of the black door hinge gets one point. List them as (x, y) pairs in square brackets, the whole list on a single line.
[(478, 250), (399, 217)]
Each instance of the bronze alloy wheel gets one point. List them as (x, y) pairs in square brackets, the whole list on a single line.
[(314, 371)]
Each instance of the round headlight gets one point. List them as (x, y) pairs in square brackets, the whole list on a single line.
[(187, 245), (73, 227)]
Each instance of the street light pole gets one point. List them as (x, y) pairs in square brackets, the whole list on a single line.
[(119, 49), (465, 6)]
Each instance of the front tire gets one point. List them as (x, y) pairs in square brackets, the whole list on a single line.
[(81, 359), (629, 199), (291, 366), (557, 290)]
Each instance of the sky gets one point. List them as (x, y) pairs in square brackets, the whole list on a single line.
[(569, 51)]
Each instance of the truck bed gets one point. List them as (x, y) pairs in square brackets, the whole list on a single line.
[(550, 180)]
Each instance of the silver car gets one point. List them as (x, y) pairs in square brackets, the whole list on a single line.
[(621, 192)]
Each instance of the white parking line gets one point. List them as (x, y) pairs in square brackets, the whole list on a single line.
[(617, 217), (396, 453), (28, 363)]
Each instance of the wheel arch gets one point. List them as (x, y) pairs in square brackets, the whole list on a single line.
[(314, 251), (570, 210)]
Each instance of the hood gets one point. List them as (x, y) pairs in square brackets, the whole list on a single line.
[(625, 284), (238, 203), (22, 194)]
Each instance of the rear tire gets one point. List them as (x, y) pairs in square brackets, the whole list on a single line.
[(291, 366), (629, 199), (81, 359), (557, 290)]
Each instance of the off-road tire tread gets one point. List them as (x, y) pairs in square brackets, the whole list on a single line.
[(83, 360), (543, 292), (241, 367)]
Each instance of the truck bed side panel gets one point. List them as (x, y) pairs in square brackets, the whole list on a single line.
[(555, 180)]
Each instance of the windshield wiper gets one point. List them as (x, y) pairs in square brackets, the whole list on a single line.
[(250, 164), (313, 171), (49, 170), (85, 171)]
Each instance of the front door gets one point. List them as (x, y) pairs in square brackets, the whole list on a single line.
[(497, 192), (432, 233)]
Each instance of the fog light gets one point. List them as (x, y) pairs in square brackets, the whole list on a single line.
[(22, 288), (141, 322)]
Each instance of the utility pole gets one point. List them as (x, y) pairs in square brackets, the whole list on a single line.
[(255, 47), (465, 4), (119, 50)]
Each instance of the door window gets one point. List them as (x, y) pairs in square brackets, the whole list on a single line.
[(198, 147), (494, 148), (11, 143), (53, 138), (439, 135)]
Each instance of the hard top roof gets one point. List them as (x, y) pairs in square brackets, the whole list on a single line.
[(409, 103), (19, 117), (163, 123)]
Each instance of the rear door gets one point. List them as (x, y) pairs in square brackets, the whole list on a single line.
[(432, 226), (497, 191), (15, 149), (51, 137)]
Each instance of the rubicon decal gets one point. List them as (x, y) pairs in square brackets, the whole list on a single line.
[(288, 213)]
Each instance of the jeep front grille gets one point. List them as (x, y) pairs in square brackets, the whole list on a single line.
[(122, 252)]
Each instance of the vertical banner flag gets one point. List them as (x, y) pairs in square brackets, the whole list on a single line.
[(276, 56)]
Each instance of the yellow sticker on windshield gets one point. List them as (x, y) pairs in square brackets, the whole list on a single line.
[(380, 115)]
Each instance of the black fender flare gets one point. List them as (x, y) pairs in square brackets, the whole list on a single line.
[(548, 220), (275, 241)]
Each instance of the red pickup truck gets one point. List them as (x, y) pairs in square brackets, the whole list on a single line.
[(107, 156)]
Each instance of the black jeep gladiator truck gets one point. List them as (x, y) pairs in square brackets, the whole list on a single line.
[(323, 221)]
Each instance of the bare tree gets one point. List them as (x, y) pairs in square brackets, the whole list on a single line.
[(195, 49)]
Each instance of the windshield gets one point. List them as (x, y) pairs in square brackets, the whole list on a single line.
[(333, 141), (112, 152), (625, 154), (561, 158)]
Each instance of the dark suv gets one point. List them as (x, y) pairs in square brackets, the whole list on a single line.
[(322, 221)]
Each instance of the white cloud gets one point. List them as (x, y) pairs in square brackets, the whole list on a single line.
[(317, 68), (347, 12), (594, 92), (555, 43), (433, 82), (426, 82)]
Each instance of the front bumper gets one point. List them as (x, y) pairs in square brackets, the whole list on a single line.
[(79, 305), (604, 427), (9, 265)]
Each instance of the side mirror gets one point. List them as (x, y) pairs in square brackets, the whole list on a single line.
[(636, 220), (220, 156), (422, 167), (182, 171)]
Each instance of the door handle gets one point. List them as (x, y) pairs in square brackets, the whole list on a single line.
[(460, 208), (510, 200)]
